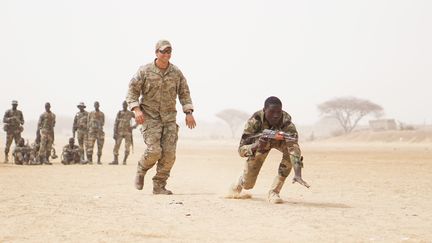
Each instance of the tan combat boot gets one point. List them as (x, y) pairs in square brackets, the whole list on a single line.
[(159, 188), (115, 161), (235, 189), (139, 180), (273, 194)]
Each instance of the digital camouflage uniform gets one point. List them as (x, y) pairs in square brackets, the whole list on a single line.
[(158, 93), (71, 155), (96, 121), (291, 154), (123, 130), (80, 127), (12, 125), (46, 127)]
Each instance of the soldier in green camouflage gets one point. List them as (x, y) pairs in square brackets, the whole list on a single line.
[(159, 84), (13, 120), (80, 127), (46, 126), (96, 121), (22, 153), (71, 153), (256, 148), (123, 130)]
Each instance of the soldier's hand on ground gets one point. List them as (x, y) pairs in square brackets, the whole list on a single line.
[(300, 181), (139, 115), (190, 121)]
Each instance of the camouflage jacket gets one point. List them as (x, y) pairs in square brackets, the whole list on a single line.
[(256, 124), (95, 121), (71, 150), (123, 122), (13, 119), (80, 121), (158, 92), (26, 149), (47, 122)]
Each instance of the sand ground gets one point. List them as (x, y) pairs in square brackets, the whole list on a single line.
[(359, 193)]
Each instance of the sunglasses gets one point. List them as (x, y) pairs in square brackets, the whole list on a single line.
[(168, 51)]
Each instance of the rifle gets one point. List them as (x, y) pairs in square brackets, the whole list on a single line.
[(271, 134)]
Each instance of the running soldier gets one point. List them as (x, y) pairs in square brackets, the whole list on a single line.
[(80, 127), (46, 130), (152, 97), (96, 121), (123, 130), (13, 120)]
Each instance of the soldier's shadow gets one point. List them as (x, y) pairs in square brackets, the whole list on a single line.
[(291, 202)]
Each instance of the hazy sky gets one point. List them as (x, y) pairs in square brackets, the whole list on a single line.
[(233, 53)]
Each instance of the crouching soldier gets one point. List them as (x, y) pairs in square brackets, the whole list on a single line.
[(71, 153), (21, 153), (255, 145)]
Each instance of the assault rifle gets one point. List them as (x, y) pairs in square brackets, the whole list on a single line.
[(271, 134)]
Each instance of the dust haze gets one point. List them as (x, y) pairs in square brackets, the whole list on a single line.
[(369, 185)]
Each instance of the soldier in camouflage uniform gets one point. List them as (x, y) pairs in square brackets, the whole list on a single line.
[(22, 153), (46, 129), (159, 83), (80, 127), (96, 121), (256, 148), (123, 130), (13, 120), (71, 153)]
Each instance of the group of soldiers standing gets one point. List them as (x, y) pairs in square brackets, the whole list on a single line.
[(87, 129)]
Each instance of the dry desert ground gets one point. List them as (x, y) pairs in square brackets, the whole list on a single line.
[(362, 192)]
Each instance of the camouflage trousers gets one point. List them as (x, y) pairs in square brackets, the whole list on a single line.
[(161, 140), (71, 157), (98, 137), (47, 140), (291, 155), (82, 141), (10, 136), (128, 142), (22, 157)]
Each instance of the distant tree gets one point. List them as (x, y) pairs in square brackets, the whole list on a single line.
[(234, 118), (349, 111)]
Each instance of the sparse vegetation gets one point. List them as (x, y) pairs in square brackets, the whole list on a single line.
[(349, 111)]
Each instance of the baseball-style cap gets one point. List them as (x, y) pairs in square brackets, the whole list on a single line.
[(14, 102), (162, 44), (81, 104)]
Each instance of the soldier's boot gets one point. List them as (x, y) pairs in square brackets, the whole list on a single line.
[(6, 158), (90, 158), (273, 194), (45, 161), (115, 161), (139, 180), (235, 189), (99, 159), (159, 189), (125, 158)]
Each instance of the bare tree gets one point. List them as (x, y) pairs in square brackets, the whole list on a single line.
[(234, 118), (349, 111)]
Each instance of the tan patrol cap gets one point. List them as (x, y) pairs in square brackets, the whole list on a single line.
[(14, 102), (162, 44)]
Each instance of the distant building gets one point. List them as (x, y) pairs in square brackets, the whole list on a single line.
[(382, 125)]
